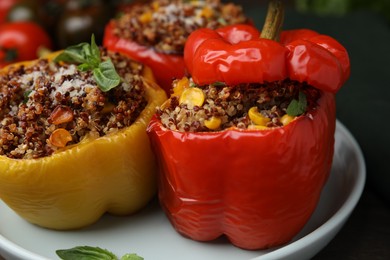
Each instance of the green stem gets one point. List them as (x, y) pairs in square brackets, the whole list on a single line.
[(273, 21)]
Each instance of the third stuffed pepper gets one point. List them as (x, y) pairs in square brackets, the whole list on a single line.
[(154, 32)]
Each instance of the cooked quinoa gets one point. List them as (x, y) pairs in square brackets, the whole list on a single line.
[(222, 106), (166, 24), (38, 99)]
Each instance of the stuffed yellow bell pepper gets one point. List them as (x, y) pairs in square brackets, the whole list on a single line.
[(83, 150)]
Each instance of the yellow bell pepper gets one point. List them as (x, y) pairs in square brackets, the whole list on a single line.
[(75, 186)]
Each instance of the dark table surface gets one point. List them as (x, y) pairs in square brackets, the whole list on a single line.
[(363, 106)]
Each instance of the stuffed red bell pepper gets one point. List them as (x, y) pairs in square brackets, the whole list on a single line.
[(245, 146), (154, 32)]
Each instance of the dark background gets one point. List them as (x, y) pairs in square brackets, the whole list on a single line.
[(363, 106)]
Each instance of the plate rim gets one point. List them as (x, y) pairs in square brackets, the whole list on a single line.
[(333, 224)]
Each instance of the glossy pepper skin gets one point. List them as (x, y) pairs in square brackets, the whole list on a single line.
[(257, 187), (74, 187), (165, 67), (302, 55)]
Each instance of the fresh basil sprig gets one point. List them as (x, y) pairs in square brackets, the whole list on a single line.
[(88, 57), (297, 107), (92, 253)]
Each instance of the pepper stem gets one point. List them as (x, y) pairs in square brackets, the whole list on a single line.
[(273, 21)]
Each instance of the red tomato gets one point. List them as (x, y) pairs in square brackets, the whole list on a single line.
[(5, 5), (20, 41)]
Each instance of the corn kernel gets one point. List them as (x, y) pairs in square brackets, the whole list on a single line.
[(145, 17), (213, 123), (180, 86), (286, 119), (256, 117), (155, 5), (192, 97), (207, 12)]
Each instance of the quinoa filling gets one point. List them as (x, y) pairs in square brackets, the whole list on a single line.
[(216, 107), (46, 106), (165, 25)]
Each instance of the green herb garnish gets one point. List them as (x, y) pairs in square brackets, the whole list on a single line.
[(297, 107), (92, 253), (193, 84), (88, 57), (218, 84), (25, 96)]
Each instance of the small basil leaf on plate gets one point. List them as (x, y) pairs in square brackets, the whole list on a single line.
[(85, 253), (131, 257)]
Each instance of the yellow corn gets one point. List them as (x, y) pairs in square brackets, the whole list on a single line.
[(180, 86), (145, 17), (192, 97), (286, 119), (256, 117), (155, 5), (206, 12), (213, 123)]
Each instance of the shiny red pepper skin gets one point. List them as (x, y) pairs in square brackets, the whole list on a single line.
[(224, 54), (302, 55), (319, 60), (165, 67), (258, 187)]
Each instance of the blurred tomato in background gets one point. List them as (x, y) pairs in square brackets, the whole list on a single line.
[(21, 41)]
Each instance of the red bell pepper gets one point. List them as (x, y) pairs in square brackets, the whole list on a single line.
[(302, 55), (257, 187), (165, 67), (169, 64), (223, 54)]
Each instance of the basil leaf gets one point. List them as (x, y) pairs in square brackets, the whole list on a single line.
[(297, 107), (106, 76), (88, 57), (85, 253), (131, 257), (95, 51), (92, 53), (218, 84), (25, 96), (84, 67), (75, 53)]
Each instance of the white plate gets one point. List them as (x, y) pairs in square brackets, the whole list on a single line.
[(150, 235)]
